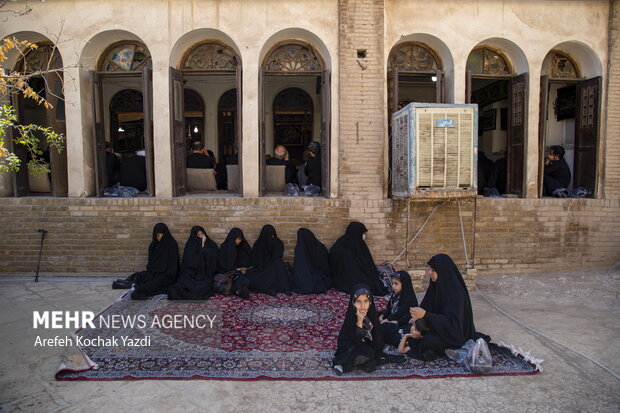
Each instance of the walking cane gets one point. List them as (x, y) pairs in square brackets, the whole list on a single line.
[(43, 232)]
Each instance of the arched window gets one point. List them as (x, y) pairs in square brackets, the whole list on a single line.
[(293, 57), (43, 58), (210, 56), (125, 57), (485, 61), (558, 65), (414, 57)]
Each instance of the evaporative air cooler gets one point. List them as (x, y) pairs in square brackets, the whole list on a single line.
[(434, 151)]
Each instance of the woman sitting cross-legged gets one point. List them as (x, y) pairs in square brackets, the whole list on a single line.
[(162, 266), (197, 269), (446, 308)]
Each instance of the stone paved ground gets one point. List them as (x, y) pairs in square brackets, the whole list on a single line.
[(578, 308)]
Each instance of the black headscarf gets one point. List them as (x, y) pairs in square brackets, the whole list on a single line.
[(311, 272), (351, 261), (233, 256), (266, 248), (447, 303), (403, 301), (347, 338), (164, 254)]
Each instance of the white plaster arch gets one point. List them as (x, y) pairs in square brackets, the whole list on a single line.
[(441, 50), (517, 58), (297, 34), (189, 39), (93, 48), (33, 37), (588, 62)]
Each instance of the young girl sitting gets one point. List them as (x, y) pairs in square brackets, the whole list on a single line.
[(396, 313), (360, 343)]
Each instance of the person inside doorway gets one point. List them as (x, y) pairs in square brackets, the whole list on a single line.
[(133, 171), (281, 157), (557, 173), (312, 168), (113, 164), (198, 158)]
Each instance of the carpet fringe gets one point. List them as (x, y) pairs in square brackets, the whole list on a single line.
[(527, 356)]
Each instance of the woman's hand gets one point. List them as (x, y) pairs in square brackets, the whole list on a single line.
[(417, 312), (360, 318)]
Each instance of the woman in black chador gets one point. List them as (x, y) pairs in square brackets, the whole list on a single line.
[(162, 266), (311, 272), (198, 268), (268, 274), (446, 308), (360, 343), (351, 262), (234, 252)]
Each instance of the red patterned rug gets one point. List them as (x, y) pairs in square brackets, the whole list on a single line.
[(283, 338)]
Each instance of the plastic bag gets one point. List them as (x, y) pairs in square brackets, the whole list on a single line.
[(474, 355), (291, 190), (312, 190)]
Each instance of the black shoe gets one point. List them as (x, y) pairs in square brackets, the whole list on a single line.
[(338, 369), (288, 293), (121, 285), (244, 292)]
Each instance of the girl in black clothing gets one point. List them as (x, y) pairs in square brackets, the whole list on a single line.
[(360, 343)]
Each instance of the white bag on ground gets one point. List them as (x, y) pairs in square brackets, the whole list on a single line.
[(474, 355)]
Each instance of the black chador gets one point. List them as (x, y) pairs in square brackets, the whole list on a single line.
[(351, 262), (268, 274), (359, 346), (311, 272), (197, 269), (448, 308), (233, 255), (162, 266)]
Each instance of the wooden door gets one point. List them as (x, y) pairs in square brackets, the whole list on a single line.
[(147, 116), (239, 124), (261, 132), (56, 120), (101, 175), (439, 87), (20, 177), (325, 99), (542, 130), (517, 132), (586, 134)]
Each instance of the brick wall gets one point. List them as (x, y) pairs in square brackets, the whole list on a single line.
[(612, 139), (511, 235), (362, 107)]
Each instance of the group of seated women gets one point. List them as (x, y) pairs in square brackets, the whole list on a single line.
[(443, 319), (314, 270)]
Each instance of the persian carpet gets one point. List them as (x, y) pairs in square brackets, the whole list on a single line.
[(283, 338)]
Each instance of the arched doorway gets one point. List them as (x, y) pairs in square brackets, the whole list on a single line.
[(569, 117), (501, 95), (209, 68), (294, 101), (46, 60), (123, 108), (414, 74)]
